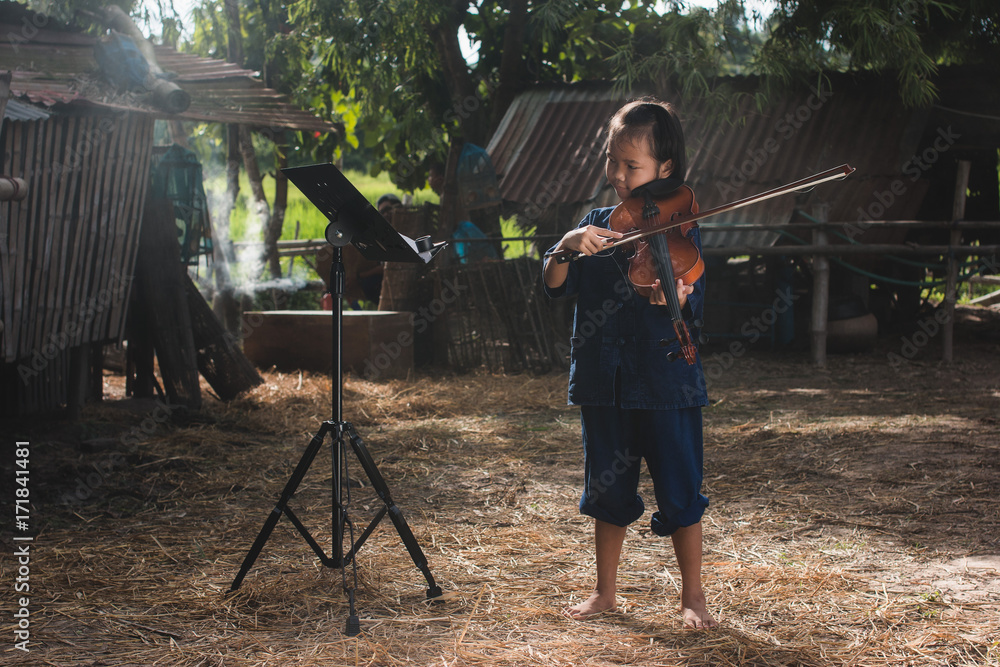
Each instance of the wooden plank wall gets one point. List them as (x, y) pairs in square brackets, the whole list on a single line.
[(67, 251)]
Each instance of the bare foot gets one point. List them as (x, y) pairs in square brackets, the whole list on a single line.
[(695, 614), (590, 607)]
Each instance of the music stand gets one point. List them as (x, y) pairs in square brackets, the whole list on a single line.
[(352, 220)]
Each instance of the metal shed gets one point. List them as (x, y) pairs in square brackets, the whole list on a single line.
[(67, 251), (548, 150)]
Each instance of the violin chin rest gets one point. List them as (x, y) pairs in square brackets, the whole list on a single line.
[(661, 187)]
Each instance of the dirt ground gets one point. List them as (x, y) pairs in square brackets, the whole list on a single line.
[(854, 520)]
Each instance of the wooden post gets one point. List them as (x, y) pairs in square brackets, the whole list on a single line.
[(955, 238), (409, 287), (821, 290), (79, 380), (164, 305), (5, 79)]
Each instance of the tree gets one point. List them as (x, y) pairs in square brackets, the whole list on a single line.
[(393, 72), (689, 50), (221, 29), (421, 98), (911, 38)]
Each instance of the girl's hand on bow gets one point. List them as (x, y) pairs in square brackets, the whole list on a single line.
[(587, 240)]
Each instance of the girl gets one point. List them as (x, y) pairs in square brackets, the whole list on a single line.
[(635, 402)]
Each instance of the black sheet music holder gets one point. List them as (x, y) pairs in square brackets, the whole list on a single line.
[(352, 220)]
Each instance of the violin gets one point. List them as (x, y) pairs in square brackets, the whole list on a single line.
[(643, 217), (669, 255), (802, 185)]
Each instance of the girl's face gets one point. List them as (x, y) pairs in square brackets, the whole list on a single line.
[(631, 165)]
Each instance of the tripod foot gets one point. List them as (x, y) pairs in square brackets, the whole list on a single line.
[(353, 625), (434, 594)]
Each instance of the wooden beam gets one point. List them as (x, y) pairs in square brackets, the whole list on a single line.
[(13, 188), (709, 226), (860, 249), (987, 300)]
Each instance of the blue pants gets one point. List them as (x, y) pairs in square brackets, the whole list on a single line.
[(615, 441)]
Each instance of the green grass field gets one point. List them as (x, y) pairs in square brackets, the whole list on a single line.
[(301, 215), (305, 221)]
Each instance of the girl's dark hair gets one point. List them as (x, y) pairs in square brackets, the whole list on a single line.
[(654, 121)]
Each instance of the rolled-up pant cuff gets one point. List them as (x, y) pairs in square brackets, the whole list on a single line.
[(663, 526), (619, 516)]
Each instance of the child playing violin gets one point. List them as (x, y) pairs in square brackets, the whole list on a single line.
[(637, 400)]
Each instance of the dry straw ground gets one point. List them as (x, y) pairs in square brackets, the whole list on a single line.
[(854, 521)]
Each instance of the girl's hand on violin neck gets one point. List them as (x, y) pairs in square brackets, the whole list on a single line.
[(588, 240), (658, 298)]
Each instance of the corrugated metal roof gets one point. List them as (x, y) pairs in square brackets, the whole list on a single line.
[(544, 148), (547, 130), (57, 66), (17, 110), (189, 67)]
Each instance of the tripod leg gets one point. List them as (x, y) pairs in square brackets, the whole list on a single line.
[(339, 515), (282, 505), (395, 514)]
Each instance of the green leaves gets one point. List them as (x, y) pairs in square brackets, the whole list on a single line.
[(389, 71), (910, 38)]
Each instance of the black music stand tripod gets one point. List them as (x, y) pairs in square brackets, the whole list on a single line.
[(352, 220)]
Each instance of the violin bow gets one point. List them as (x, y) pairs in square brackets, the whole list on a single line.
[(835, 174)]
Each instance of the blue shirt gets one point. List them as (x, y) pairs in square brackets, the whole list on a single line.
[(616, 329)]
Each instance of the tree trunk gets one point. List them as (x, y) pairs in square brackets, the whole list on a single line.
[(224, 304), (456, 74), (451, 207), (234, 32), (277, 220), (511, 62), (233, 161), (259, 207)]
